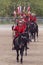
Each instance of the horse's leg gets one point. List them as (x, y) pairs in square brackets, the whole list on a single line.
[(37, 32), (26, 49), (21, 53), (17, 55), (34, 37), (30, 37), (37, 35)]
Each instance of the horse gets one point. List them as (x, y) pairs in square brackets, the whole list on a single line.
[(33, 29), (20, 44)]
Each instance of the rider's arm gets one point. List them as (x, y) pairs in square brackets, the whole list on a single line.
[(15, 28)]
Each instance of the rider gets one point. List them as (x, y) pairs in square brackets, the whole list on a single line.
[(18, 30), (33, 18)]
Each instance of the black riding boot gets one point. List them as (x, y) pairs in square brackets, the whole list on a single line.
[(13, 48)]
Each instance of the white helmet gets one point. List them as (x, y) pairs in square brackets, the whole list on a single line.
[(33, 14), (20, 21)]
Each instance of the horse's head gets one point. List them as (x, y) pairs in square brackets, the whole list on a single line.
[(32, 26), (24, 37)]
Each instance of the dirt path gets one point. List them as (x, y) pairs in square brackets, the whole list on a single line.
[(8, 57)]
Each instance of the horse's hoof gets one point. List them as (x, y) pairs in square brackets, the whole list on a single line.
[(25, 54), (21, 61), (27, 48), (13, 48), (17, 60)]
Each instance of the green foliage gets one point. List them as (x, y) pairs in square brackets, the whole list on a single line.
[(7, 6), (37, 7)]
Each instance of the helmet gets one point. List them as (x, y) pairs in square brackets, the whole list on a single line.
[(20, 22), (33, 14)]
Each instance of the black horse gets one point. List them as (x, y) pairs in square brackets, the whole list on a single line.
[(33, 29), (20, 44)]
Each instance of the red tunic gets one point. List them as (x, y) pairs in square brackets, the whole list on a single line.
[(19, 29), (26, 19), (33, 18)]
